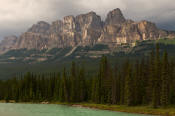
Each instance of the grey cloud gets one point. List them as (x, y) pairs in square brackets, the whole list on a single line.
[(16, 16)]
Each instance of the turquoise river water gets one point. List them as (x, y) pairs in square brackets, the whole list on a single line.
[(8, 109)]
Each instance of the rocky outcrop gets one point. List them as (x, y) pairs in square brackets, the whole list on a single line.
[(85, 30), (8, 43), (115, 17), (32, 40), (130, 32), (41, 27), (89, 27)]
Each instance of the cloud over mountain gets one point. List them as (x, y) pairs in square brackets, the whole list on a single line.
[(17, 15)]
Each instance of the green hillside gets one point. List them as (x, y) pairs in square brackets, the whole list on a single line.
[(27, 60), (167, 41)]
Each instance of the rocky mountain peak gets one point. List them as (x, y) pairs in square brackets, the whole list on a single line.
[(91, 13), (85, 30), (56, 26), (8, 43), (115, 17), (89, 20), (69, 23), (41, 27)]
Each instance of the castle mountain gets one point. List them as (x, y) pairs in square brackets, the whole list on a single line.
[(85, 30)]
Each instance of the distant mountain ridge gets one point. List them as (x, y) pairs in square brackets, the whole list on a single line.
[(85, 30)]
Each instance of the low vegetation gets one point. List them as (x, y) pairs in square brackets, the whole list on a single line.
[(169, 111), (166, 41)]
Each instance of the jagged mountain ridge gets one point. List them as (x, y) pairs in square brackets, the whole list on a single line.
[(85, 30)]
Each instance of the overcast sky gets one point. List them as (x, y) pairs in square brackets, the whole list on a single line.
[(16, 16)]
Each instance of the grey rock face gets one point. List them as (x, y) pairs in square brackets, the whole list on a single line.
[(7, 43), (115, 17), (41, 27), (84, 30), (89, 27)]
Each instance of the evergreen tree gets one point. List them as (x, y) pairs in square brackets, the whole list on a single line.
[(73, 82), (136, 83), (122, 83), (65, 86), (114, 87), (129, 87), (105, 76), (157, 80), (82, 86), (172, 83), (165, 84)]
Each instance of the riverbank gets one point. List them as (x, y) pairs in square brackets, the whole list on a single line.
[(169, 111)]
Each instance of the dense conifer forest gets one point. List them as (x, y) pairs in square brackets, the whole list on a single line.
[(148, 81)]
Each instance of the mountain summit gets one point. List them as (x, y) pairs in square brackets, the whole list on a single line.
[(85, 30), (115, 17)]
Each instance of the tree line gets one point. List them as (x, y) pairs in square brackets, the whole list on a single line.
[(149, 81)]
